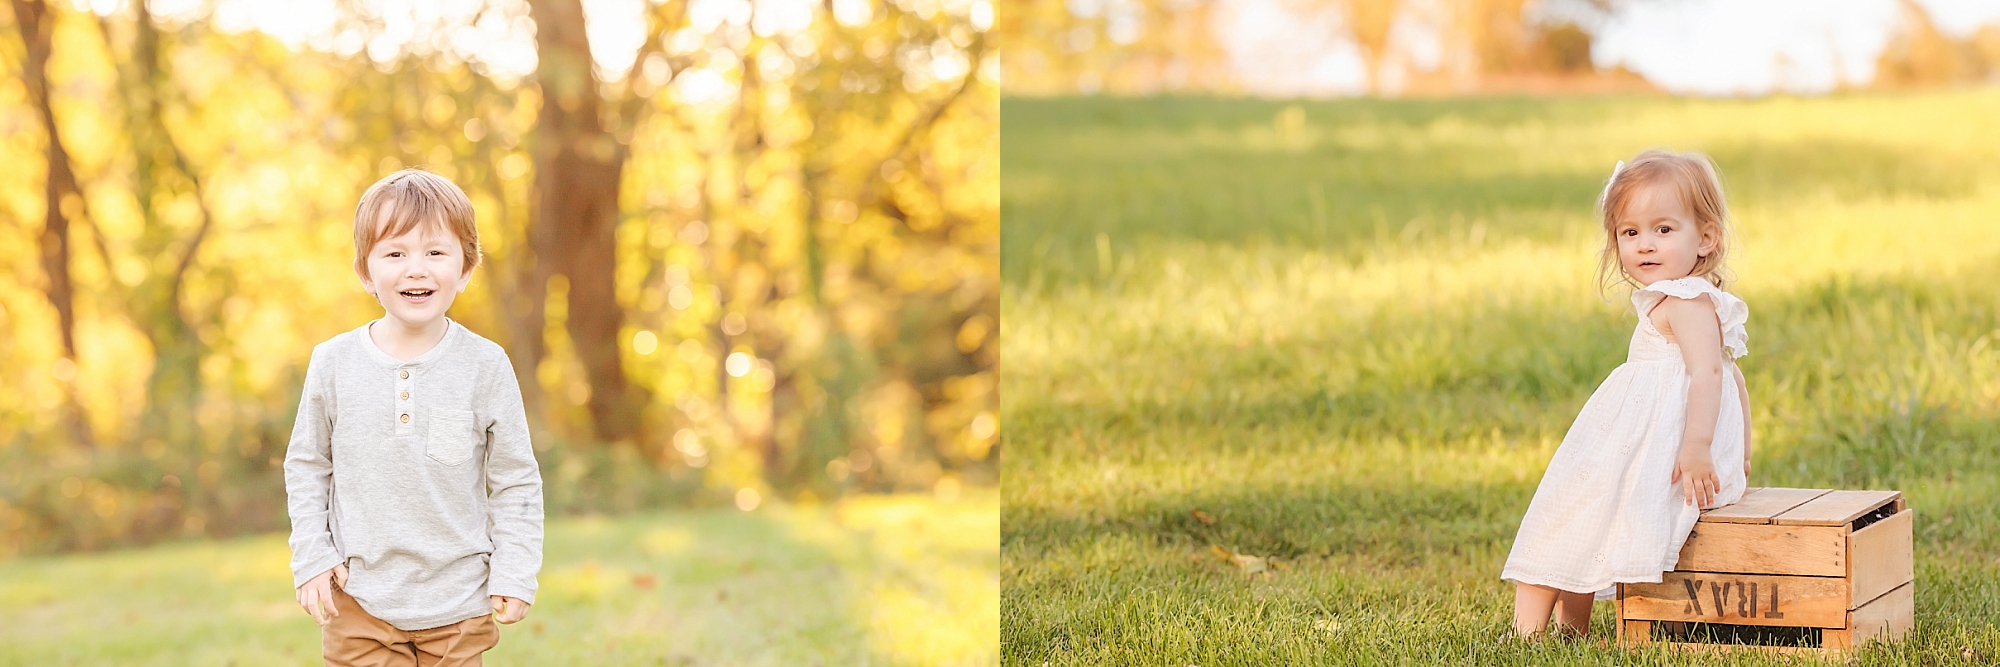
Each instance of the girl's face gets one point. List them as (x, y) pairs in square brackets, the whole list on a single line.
[(1658, 238)]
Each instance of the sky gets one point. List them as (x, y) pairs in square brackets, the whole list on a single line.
[(1701, 47)]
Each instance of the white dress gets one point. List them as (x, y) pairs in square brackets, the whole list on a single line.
[(1606, 511)]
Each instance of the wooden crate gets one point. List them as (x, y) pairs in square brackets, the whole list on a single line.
[(1785, 570)]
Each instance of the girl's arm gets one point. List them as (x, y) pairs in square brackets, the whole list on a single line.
[(1699, 335), (1743, 395)]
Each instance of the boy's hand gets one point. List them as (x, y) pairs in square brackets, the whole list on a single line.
[(506, 609), (316, 597), (1695, 472)]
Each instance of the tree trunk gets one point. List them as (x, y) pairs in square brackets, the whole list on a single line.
[(37, 27), (578, 168), (1370, 22), (156, 302)]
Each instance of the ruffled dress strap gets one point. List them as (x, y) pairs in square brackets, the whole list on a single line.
[(1729, 310)]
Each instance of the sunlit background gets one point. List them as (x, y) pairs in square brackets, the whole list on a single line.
[(743, 255), (1299, 303), (1440, 47)]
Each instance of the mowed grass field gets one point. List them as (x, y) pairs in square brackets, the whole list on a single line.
[(864, 581), (1352, 333)]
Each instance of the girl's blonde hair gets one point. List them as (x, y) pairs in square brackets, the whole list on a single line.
[(1700, 187)]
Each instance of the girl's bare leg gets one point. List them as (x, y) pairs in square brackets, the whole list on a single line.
[(1532, 605), (1573, 613)]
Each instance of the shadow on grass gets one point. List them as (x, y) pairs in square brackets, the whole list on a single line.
[(1148, 171)]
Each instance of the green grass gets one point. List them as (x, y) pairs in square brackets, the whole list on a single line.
[(1354, 332), (871, 580)]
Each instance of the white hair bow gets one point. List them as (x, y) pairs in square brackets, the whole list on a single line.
[(1601, 197)]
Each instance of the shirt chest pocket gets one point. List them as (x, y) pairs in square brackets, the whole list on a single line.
[(451, 438)]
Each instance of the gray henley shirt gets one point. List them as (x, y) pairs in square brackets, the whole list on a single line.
[(418, 475)]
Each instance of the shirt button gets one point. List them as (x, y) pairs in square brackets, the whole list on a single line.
[(406, 396), (406, 419), (404, 374)]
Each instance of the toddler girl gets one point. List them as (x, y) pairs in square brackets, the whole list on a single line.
[(1668, 434)]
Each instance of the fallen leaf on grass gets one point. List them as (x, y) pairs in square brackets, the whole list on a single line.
[(1251, 565), (1205, 518)]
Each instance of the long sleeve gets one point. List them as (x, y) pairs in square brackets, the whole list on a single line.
[(419, 476), (309, 477), (514, 490)]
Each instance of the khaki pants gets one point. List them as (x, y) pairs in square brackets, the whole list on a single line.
[(357, 639)]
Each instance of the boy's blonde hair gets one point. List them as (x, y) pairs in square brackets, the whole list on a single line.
[(1700, 187), (419, 198)]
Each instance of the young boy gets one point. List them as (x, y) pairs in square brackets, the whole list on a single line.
[(416, 502)]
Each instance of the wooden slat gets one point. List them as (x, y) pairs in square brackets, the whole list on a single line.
[(1633, 632), (1888, 617), (1836, 508), (1882, 556), (1746, 548), (1762, 505), (1818, 602), (1618, 606)]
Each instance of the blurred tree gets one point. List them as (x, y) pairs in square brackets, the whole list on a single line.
[(1369, 23), (61, 199), (1501, 36), (1127, 46), (162, 180), (1520, 45), (580, 158), (1919, 54), (1146, 46), (903, 186), (1536, 46), (774, 222)]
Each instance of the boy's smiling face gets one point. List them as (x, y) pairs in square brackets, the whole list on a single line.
[(416, 275)]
